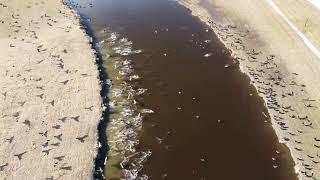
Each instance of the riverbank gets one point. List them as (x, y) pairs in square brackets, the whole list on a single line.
[(281, 64), (50, 93)]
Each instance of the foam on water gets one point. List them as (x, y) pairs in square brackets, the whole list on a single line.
[(126, 117), (188, 100)]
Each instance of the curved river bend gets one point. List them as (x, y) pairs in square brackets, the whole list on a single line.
[(199, 117)]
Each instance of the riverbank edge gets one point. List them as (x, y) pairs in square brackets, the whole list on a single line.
[(102, 142), (96, 110), (204, 14)]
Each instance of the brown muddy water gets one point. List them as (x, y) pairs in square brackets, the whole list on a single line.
[(209, 122)]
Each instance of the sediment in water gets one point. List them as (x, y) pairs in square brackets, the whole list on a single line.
[(290, 103), (124, 161), (164, 52)]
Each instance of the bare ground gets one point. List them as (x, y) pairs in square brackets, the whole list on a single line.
[(50, 93)]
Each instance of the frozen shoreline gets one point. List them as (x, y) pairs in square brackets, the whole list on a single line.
[(280, 66), (50, 93)]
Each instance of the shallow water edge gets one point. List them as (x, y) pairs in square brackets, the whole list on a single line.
[(157, 77)]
